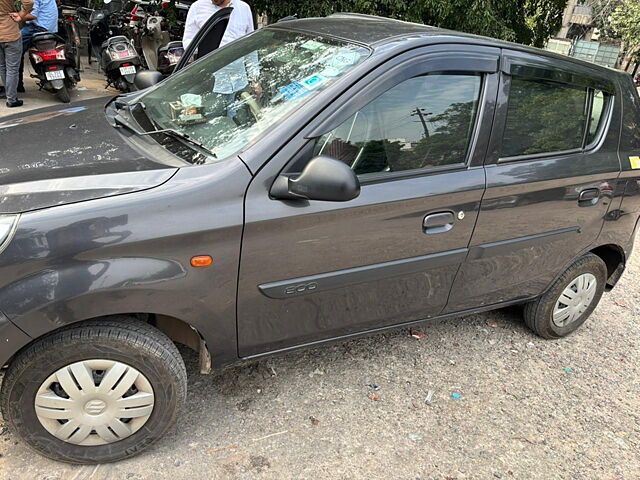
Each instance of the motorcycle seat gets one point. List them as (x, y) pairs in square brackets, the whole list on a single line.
[(45, 37), (113, 40)]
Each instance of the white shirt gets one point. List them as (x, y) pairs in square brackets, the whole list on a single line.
[(240, 22), (233, 77)]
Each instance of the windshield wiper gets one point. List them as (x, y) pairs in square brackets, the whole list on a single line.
[(181, 136)]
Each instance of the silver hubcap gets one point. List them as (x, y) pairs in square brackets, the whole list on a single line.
[(94, 402), (575, 300)]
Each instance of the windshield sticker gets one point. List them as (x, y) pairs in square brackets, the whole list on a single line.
[(312, 45), (293, 91), (331, 72), (312, 82), (344, 58), (635, 162)]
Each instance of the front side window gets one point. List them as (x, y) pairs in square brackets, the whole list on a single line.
[(229, 98), (425, 122)]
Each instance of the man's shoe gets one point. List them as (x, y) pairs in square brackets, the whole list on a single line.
[(3, 93), (21, 89), (17, 103)]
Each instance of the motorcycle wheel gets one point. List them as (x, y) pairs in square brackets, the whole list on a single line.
[(63, 94)]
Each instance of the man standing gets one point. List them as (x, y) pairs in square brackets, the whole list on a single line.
[(233, 78), (11, 47), (44, 17), (240, 22)]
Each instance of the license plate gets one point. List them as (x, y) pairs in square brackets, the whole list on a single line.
[(54, 75), (127, 70)]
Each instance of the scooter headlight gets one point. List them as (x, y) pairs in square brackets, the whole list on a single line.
[(8, 225)]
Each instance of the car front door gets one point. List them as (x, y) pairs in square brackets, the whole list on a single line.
[(415, 133), (551, 170)]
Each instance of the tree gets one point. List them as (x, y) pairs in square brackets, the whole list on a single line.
[(625, 20), (530, 22)]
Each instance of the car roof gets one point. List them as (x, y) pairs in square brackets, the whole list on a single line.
[(374, 32)]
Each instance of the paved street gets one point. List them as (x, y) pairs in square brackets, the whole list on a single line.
[(527, 408), (91, 86)]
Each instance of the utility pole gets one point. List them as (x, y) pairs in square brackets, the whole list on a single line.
[(422, 114)]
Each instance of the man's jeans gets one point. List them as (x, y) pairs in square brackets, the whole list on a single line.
[(10, 55), (27, 32)]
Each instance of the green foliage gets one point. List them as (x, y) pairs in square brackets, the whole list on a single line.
[(524, 21), (625, 20)]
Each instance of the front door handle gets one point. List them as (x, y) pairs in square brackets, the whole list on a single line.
[(589, 197), (438, 222)]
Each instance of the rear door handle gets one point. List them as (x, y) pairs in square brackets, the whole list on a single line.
[(589, 197), (438, 222)]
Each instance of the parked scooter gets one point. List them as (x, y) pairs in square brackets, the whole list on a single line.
[(117, 55), (54, 62), (120, 63), (168, 57)]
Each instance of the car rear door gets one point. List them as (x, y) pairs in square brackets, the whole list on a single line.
[(551, 170), (415, 131)]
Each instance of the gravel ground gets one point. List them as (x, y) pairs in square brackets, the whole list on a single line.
[(524, 408)]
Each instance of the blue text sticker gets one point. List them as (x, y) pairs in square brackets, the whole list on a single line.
[(293, 91)]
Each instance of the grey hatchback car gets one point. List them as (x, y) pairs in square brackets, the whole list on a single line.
[(318, 179)]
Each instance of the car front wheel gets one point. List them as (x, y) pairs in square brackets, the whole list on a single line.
[(570, 300), (95, 392)]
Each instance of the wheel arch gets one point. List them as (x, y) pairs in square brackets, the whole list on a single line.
[(178, 330), (614, 258)]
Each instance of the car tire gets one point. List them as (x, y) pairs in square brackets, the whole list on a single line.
[(95, 361), (581, 286)]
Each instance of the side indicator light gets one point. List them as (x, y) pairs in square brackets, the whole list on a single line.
[(201, 261)]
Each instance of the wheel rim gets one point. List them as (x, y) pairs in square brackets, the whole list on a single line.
[(575, 299), (94, 402)]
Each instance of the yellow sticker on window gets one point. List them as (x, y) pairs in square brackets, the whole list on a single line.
[(635, 162)]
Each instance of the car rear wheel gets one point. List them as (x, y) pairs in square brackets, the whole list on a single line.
[(570, 301), (95, 392)]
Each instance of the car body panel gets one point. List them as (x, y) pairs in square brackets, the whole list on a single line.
[(536, 196), (131, 254), (70, 154), (304, 262)]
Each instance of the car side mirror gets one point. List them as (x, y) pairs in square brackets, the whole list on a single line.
[(147, 78), (322, 179)]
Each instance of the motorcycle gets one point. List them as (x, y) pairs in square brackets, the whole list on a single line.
[(54, 62), (116, 53), (120, 62), (158, 50), (168, 57)]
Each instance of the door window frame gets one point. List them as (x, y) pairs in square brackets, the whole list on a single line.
[(432, 60), (415, 62), (531, 67)]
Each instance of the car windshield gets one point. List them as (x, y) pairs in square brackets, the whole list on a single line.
[(226, 100)]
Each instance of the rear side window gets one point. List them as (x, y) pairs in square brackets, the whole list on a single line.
[(596, 120), (544, 117)]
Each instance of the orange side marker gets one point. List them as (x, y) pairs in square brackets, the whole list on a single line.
[(201, 261)]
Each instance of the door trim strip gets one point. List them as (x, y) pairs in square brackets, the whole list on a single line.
[(505, 246), (295, 287)]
